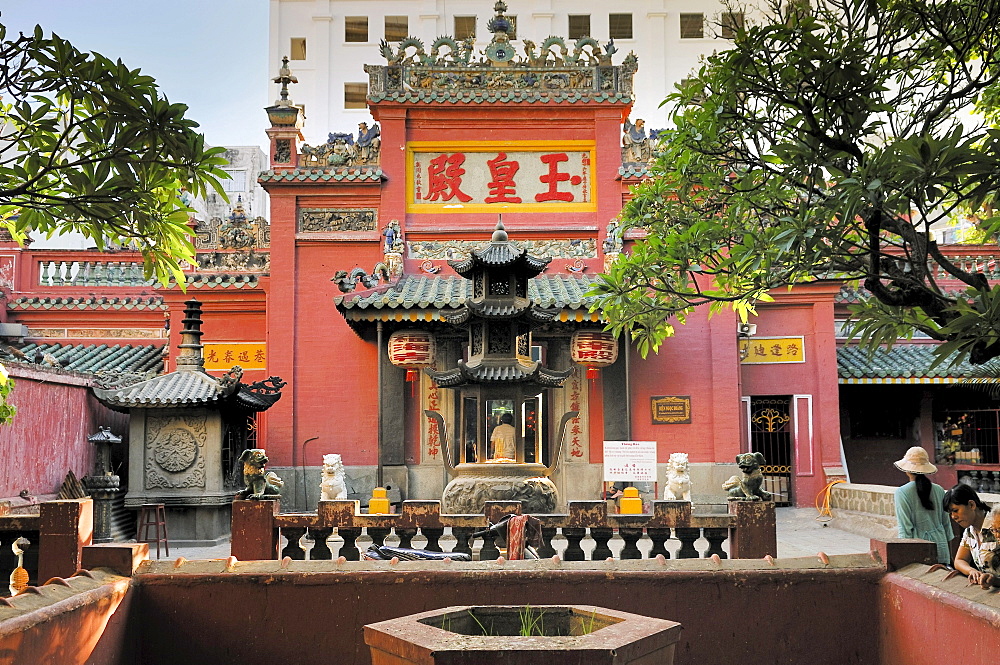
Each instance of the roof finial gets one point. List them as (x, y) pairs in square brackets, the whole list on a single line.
[(500, 234), (284, 77)]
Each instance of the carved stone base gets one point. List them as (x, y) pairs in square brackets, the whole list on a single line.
[(478, 483)]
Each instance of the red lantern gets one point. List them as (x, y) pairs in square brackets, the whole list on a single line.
[(411, 349), (594, 349)]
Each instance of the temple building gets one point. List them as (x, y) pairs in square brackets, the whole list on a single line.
[(421, 286)]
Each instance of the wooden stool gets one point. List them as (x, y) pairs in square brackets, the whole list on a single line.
[(153, 516)]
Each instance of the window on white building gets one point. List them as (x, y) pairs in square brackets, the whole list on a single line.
[(237, 181), (396, 28), (355, 28), (354, 95), (579, 26), (732, 22), (620, 26), (692, 26), (465, 26), (297, 49)]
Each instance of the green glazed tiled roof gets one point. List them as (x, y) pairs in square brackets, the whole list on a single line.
[(487, 96), (337, 174), (633, 170), (221, 280), (181, 388), (420, 291), (90, 302), (850, 294), (903, 363), (96, 357)]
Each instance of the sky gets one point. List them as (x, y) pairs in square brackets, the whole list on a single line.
[(208, 54)]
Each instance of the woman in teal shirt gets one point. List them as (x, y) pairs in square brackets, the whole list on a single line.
[(920, 504)]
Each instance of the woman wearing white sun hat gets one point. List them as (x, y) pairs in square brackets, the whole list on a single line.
[(920, 504)]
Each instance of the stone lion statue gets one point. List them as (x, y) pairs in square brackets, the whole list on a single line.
[(333, 486), (678, 486), (259, 485), (749, 485)]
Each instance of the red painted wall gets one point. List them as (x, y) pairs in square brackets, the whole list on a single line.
[(92, 628), (920, 624), (807, 312), (700, 362), (56, 412), (808, 613)]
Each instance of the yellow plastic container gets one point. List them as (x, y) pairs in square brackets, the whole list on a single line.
[(379, 503), (630, 503)]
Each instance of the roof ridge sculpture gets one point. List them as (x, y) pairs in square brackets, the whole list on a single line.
[(452, 66)]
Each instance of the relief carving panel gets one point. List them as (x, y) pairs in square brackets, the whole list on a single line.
[(175, 450)]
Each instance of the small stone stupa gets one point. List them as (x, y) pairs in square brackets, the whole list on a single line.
[(186, 431)]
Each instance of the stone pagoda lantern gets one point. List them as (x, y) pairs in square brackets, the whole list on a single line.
[(103, 484), (186, 431), (500, 386)]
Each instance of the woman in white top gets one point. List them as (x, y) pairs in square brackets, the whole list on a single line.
[(969, 512)]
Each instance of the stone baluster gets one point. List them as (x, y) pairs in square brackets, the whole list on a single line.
[(687, 536), (546, 551), (100, 274), (432, 534), (601, 536), (574, 536), (405, 536), (659, 536), (294, 548), (349, 550), (715, 538), (489, 549), (631, 536), (463, 536), (57, 279), (378, 534), (320, 549), (44, 279)]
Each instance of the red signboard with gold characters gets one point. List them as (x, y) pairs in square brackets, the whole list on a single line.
[(488, 176), (223, 355), (769, 350)]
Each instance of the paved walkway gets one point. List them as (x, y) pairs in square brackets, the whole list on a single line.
[(799, 534)]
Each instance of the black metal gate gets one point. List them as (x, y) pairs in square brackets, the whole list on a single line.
[(771, 435)]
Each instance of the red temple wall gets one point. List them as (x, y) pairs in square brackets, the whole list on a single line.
[(699, 361), (807, 313), (48, 436)]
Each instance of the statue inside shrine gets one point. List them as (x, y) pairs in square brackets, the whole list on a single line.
[(504, 440)]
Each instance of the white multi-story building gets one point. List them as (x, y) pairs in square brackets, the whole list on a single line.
[(330, 41), (245, 162)]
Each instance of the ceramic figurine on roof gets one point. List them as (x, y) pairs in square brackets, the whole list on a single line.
[(636, 146), (341, 149)]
